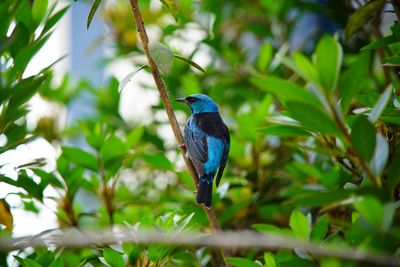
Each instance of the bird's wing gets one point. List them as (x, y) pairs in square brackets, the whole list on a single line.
[(225, 153), (196, 145)]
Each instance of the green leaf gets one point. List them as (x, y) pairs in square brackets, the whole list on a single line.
[(359, 18), (312, 118), (93, 10), (380, 157), (284, 90), (172, 8), (27, 262), (317, 199), (113, 148), (284, 130), (264, 57), (371, 210), (113, 258), (162, 56), (328, 60), (190, 62), (159, 161), (272, 229), (134, 137), (304, 68), (57, 263), (50, 22), (242, 262), (320, 229), (298, 223), (363, 138), (392, 61), (128, 78), (269, 259), (81, 158), (39, 9), (381, 42)]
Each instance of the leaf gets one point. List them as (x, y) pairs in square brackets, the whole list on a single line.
[(363, 137), (242, 262), (57, 263), (27, 262), (371, 210), (298, 223), (284, 90), (50, 22), (6, 217), (172, 8), (320, 229), (113, 148), (360, 17), (264, 56), (134, 137), (312, 118), (380, 157), (128, 78), (284, 130), (328, 60), (81, 158), (162, 56), (159, 161), (93, 10), (269, 259), (190, 62), (317, 199), (113, 258), (39, 9), (304, 68), (381, 42)]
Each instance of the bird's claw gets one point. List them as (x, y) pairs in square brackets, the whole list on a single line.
[(182, 145)]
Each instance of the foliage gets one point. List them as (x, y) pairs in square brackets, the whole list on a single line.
[(313, 115)]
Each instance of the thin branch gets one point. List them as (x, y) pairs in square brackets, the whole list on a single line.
[(171, 115), (74, 238)]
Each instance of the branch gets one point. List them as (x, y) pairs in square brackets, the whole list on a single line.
[(171, 115), (77, 238)]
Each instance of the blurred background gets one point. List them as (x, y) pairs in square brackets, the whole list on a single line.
[(77, 149)]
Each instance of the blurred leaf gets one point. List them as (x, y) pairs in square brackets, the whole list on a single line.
[(51, 21), (134, 137), (392, 60), (298, 223), (380, 105), (312, 118), (48, 178), (317, 199), (359, 18), (93, 10), (162, 56), (284, 90), (172, 8), (328, 60), (363, 137), (27, 262), (113, 148), (380, 156), (242, 262), (57, 263), (371, 210), (269, 259), (128, 78), (39, 9), (302, 67), (272, 229), (113, 258), (81, 158), (190, 62), (32, 188), (285, 130), (158, 161), (264, 56), (6, 217), (320, 229), (381, 42)]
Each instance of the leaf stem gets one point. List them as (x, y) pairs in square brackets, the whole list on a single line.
[(171, 115)]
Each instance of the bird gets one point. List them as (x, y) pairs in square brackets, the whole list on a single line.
[(207, 143)]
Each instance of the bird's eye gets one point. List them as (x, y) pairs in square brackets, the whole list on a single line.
[(191, 99)]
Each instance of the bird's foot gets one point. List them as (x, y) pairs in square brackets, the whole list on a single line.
[(182, 145)]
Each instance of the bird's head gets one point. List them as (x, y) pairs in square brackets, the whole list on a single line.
[(199, 103)]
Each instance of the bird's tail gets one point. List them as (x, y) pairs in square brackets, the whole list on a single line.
[(204, 193)]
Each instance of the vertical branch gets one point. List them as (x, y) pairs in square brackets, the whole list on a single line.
[(171, 115)]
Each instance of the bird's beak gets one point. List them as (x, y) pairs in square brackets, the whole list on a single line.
[(183, 100)]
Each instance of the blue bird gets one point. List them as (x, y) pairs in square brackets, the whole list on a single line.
[(207, 142)]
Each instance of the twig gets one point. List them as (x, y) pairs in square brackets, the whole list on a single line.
[(171, 115), (73, 238)]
